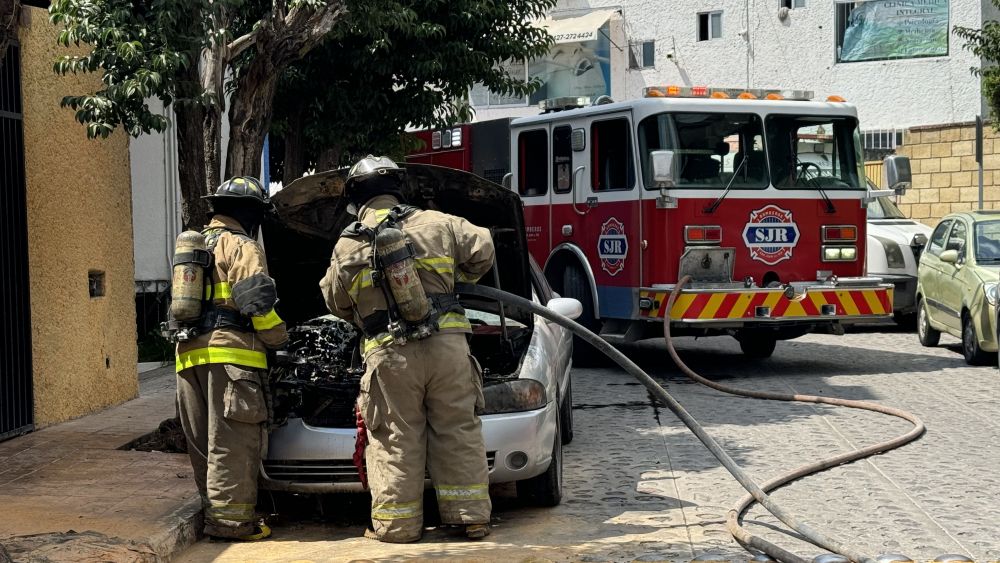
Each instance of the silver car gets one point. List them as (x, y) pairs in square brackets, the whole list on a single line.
[(526, 360)]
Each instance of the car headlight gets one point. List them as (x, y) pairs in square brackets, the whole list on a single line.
[(990, 291), (514, 396), (893, 253)]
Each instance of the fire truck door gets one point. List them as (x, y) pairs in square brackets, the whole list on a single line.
[(531, 178), (606, 206)]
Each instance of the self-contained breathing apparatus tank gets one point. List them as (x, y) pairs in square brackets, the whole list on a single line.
[(396, 258), (187, 286)]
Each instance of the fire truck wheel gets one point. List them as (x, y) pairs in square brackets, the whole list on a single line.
[(575, 286), (757, 346), (929, 337)]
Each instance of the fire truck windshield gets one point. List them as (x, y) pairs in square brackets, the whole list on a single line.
[(815, 152), (713, 149)]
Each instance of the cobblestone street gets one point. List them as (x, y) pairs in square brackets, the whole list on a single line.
[(638, 485)]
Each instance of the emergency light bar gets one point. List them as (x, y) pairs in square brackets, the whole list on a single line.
[(726, 93)]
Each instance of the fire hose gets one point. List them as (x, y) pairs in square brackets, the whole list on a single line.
[(755, 492)]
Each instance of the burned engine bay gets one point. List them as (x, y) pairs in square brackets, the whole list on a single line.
[(318, 377)]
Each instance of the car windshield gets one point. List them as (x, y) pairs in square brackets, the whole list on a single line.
[(884, 208), (712, 149), (988, 241), (815, 152)]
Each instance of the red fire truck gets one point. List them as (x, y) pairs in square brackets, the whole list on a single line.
[(757, 195)]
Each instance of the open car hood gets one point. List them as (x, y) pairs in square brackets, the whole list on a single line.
[(312, 214)]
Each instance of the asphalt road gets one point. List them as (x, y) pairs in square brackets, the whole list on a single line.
[(638, 485)]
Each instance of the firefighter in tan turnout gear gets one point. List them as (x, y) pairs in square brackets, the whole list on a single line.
[(222, 361), (421, 385)]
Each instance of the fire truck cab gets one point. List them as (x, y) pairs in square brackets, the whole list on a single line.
[(757, 196)]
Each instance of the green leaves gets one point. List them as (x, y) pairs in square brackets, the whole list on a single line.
[(985, 44)]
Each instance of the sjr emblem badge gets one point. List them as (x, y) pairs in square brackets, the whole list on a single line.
[(771, 234), (612, 246)]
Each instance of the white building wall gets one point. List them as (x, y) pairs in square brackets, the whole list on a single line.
[(799, 52), (156, 200)]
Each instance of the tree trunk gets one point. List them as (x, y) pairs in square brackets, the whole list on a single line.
[(329, 158), (250, 113), (10, 16), (295, 155), (198, 150)]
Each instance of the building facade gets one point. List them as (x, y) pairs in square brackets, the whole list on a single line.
[(78, 232)]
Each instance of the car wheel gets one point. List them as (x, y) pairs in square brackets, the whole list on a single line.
[(974, 355), (566, 414), (575, 286), (928, 335), (756, 345), (545, 489)]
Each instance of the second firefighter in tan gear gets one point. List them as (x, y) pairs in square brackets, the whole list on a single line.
[(418, 399), (221, 373)]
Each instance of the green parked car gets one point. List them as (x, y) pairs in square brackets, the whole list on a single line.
[(957, 284)]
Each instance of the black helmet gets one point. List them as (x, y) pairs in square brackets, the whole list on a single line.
[(241, 189), (373, 176)]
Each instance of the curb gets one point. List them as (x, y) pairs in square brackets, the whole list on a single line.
[(183, 531)]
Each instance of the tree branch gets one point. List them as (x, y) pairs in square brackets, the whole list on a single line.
[(243, 43)]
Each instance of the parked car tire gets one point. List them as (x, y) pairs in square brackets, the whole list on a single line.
[(566, 414), (575, 286), (756, 345), (928, 335), (974, 355), (545, 489)]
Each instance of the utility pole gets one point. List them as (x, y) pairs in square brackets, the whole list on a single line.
[(979, 156)]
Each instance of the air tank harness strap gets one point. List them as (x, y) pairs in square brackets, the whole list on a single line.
[(202, 258), (378, 322), (220, 317)]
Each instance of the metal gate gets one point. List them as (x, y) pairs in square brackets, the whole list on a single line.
[(16, 408)]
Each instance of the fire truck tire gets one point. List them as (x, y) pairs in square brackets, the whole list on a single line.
[(545, 489), (928, 335), (575, 286), (756, 345)]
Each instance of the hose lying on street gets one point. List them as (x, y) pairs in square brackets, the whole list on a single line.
[(756, 492), (735, 515)]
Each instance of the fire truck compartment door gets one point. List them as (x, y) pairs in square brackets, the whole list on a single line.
[(606, 191)]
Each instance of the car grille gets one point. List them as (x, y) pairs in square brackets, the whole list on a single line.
[(324, 470)]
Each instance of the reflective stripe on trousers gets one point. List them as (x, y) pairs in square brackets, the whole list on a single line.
[(398, 510), (231, 512), (452, 493), (220, 355)]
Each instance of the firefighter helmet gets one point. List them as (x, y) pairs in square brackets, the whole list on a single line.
[(241, 189), (372, 176)]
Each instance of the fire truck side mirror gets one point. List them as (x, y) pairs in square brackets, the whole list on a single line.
[(663, 165), (897, 175)]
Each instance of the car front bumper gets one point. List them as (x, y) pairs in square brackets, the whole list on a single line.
[(310, 459)]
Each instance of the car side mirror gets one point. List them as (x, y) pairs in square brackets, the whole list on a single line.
[(663, 165), (949, 256), (565, 306), (896, 171)]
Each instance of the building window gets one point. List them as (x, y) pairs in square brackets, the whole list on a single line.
[(562, 158), (641, 54), (95, 283), (611, 156), (874, 31), (709, 26), (793, 4), (532, 159)]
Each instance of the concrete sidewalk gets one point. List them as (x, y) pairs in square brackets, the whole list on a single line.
[(67, 493)]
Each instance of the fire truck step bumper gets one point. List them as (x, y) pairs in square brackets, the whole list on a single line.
[(769, 305)]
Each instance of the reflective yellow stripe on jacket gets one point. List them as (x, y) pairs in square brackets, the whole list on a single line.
[(447, 320), (264, 322), (221, 290), (220, 355)]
